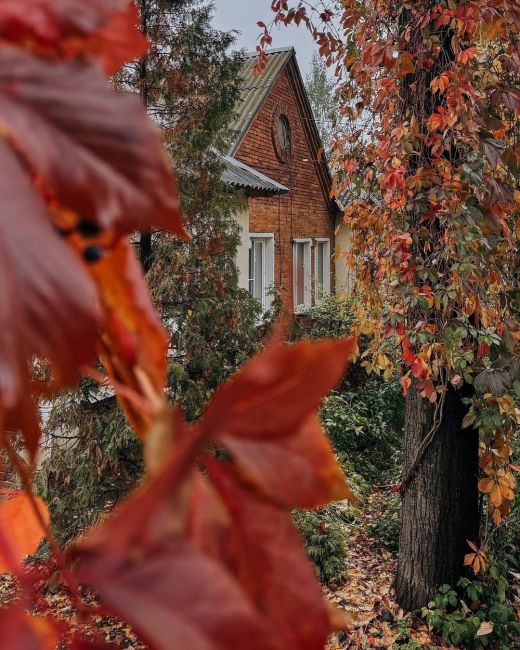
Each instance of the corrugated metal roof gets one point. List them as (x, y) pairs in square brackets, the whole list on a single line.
[(255, 89), (238, 174)]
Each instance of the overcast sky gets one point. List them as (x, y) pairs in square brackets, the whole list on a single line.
[(243, 16)]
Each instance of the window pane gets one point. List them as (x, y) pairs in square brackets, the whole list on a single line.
[(320, 264), (300, 274), (251, 271), (259, 271)]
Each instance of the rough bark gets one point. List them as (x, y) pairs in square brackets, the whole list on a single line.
[(440, 504)]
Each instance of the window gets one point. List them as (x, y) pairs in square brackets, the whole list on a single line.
[(322, 267), (261, 267), (281, 130), (284, 135), (302, 274)]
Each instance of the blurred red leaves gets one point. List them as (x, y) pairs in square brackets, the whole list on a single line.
[(66, 28), (75, 152), (43, 292), (21, 631), (79, 135), (195, 558), (230, 513)]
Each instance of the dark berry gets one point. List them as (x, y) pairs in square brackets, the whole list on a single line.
[(93, 254), (88, 228)]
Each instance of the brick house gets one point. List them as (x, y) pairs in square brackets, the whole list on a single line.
[(290, 226)]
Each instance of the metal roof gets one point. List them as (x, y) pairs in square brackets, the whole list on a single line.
[(239, 175), (255, 89)]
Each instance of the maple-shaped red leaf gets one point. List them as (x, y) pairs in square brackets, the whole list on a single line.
[(265, 417), (93, 147), (48, 304)]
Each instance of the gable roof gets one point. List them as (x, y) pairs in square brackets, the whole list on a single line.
[(240, 175), (255, 90)]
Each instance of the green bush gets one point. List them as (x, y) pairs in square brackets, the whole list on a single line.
[(325, 543), (330, 318), (456, 615), (366, 425)]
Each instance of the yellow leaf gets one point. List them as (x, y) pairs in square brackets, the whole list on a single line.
[(468, 420)]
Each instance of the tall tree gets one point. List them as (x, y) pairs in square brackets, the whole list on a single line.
[(190, 85), (433, 216), (321, 91)]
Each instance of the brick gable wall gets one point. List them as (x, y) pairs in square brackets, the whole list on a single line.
[(303, 212)]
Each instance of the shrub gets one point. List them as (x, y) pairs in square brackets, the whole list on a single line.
[(457, 616), (366, 423), (325, 543), (330, 318)]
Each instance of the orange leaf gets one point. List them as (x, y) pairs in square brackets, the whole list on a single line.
[(133, 336), (21, 631), (24, 530)]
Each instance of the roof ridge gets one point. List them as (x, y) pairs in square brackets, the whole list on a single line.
[(274, 50)]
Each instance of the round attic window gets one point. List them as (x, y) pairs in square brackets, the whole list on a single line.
[(282, 137)]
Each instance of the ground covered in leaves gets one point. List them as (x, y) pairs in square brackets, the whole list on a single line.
[(364, 594)]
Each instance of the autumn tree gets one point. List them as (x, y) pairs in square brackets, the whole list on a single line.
[(431, 181)]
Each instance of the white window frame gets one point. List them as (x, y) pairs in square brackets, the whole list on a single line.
[(307, 271), (268, 243), (322, 290)]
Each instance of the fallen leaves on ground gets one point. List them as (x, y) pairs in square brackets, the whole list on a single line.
[(366, 595)]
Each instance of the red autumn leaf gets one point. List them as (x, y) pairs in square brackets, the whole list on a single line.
[(79, 134), (49, 23), (176, 597), (419, 369), (20, 522), (298, 471), (20, 631), (406, 382), (265, 417), (280, 387), (118, 41), (133, 335), (49, 308), (465, 56), (260, 546)]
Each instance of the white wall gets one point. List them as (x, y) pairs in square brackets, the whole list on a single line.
[(344, 279), (242, 218)]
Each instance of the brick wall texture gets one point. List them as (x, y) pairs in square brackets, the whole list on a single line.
[(303, 212)]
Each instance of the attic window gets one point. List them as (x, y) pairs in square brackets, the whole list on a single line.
[(283, 138)]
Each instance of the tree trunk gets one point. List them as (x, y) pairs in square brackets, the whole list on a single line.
[(440, 503)]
